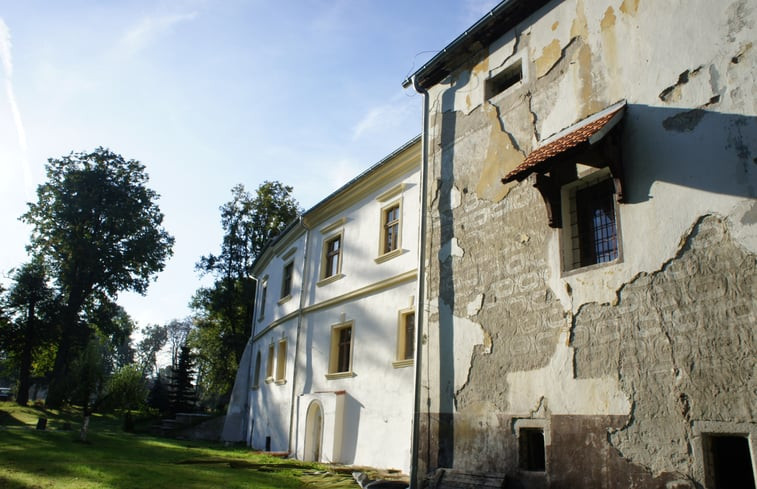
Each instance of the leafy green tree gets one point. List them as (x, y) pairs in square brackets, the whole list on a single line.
[(31, 305), (100, 230), (127, 391), (224, 311), (89, 373)]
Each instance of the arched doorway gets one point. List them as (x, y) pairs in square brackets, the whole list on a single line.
[(313, 430)]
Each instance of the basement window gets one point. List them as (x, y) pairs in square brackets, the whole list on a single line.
[(509, 77), (532, 450), (729, 461)]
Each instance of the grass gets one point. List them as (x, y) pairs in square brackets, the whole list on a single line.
[(112, 459)]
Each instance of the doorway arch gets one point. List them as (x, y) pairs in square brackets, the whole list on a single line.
[(313, 432)]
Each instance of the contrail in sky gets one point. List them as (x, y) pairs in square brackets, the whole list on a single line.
[(5, 58)]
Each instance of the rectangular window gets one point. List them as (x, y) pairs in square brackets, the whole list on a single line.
[(269, 365), (263, 298), (729, 461), (281, 361), (332, 260), (286, 280), (591, 232), (256, 381), (405, 339), (595, 214), (505, 79), (408, 336), (531, 449), (390, 240), (340, 361)]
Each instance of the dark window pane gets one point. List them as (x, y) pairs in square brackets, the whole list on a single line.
[(597, 232)]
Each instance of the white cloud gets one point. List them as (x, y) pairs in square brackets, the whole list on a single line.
[(387, 117), (5, 57), (151, 28)]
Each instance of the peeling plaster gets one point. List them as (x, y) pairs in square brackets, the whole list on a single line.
[(557, 385), (474, 306), (550, 55), (502, 155), (450, 249), (629, 7), (467, 335)]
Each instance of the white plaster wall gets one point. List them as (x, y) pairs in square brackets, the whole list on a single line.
[(377, 431), (270, 402), (273, 269), (361, 235)]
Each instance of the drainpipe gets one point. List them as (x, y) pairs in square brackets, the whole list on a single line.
[(420, 308), (300, 318)]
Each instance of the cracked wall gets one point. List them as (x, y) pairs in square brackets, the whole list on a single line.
[(614, 357)]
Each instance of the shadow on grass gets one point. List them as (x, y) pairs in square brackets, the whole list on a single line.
[(117, 460), (6, 483), (7, 419)]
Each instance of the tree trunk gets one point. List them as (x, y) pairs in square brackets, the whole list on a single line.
[(56, 393), (84, 427), (22, 396)]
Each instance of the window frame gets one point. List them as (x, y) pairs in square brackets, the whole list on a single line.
[(287, 281), (256, 372), (270, 364), (263, 298), (383, 253), (523, 425), (335, 352), (571, 244), (325, 256), (281, 361), (401, 358)]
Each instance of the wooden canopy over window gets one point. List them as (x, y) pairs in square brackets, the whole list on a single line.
[(563, 148)]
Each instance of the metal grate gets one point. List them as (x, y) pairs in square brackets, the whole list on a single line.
[(597, 232)]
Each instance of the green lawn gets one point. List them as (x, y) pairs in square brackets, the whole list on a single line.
[(112, 459)]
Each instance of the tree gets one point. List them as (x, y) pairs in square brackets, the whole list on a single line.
[(153, 339), (182, 392), (225, 310), (31, 304), (100, 230), (90, 371), (126, 390), (177, 331)]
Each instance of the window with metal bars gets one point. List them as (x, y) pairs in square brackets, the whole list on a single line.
[(596, 238)]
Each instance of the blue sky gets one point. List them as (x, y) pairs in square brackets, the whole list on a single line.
[(208, 94)]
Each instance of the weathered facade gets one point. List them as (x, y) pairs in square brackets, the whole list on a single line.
[(328, 374), (590, 322)]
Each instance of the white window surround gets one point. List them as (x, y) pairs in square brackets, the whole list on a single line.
[(569, 262)]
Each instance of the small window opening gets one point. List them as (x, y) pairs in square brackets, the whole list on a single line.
[(267, 443), (505, 79), (343, 355), (333, 250), (531, 449), (286, 282), (730, 462)]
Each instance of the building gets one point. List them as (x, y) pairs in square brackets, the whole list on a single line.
[(328, 374), (588, 286)]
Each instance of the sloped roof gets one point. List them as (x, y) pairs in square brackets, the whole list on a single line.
[(591, 129)]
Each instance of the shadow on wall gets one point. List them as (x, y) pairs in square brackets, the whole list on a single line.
[(716, 152), (350, 426)]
